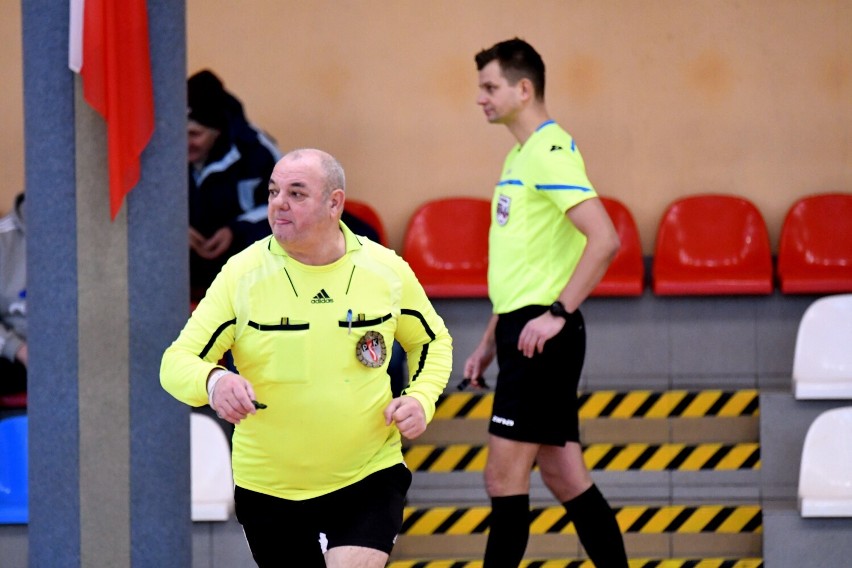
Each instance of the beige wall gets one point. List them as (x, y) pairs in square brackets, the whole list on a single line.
[(11, 105), (665, 97)]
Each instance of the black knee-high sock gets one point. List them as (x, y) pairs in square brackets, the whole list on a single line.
[(597, 529), (509, 531)]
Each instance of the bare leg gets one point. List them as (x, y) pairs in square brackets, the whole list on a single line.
[(355, 557), (563, 470), (565, 474), (507, 480)]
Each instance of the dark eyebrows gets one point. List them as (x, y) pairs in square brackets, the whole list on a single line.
[(296, 184)]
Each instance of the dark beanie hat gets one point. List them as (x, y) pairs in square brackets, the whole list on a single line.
[(206, 101)]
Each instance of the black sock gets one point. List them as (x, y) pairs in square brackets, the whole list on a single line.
[(509, 531), (597, 529)]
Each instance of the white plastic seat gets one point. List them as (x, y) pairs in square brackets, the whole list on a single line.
[(212, 479), (822, 364), (825, 476)]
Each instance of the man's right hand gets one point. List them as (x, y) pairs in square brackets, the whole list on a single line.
[(232, 398)]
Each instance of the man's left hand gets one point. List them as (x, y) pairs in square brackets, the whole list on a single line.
[(537, 331), (408, 415)]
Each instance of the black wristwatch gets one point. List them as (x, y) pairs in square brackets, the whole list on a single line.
[(557, 309)]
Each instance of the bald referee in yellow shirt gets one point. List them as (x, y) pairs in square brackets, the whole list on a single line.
[(310, 314), (550, 243)]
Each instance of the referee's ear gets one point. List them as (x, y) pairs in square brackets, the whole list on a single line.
[(336, 199)]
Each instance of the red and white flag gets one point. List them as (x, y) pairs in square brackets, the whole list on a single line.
[(108, 47)]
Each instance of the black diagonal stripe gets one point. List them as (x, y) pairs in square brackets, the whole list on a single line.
[(557, 527), (751, 408), (607, 458), (468, 406), (755, 522), (752, 459), (718, 519), (535, 513), (675, 524), (643, 519), (451, 520), (612, 405), (582, 399), (431, 459), (647, 405), (681, 456), (468, 457), (643, 458), (215, 336), (717, 456), (690, 563), (683, 404), (720, 403), (412, 519), (483, 525)]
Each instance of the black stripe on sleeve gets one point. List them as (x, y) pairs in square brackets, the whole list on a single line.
[(418, 315), (216, 334), (425, 352)]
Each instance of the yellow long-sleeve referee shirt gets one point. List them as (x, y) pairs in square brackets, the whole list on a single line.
[(314, 341)]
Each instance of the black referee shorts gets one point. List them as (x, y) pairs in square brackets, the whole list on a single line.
[(535, 399), (282, 532)]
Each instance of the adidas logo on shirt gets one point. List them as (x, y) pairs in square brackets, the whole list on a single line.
[(322, 297)]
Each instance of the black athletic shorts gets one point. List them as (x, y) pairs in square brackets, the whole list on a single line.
[(282, 532), (535, 399)]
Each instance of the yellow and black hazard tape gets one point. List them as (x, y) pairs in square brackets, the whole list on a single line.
[(681, 519), (616, 404), (565, 563), (602, 457)]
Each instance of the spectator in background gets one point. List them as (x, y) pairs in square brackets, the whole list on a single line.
[(229, 165), (13, 300)]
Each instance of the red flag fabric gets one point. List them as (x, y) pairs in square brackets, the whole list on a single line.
[(116, 72)]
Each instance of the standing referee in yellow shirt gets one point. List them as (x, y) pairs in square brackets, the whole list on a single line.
[(310, 314), (550, 243)]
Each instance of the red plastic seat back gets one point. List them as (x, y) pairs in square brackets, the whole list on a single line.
[(815, 249), (626, 274), (712, 245), (369, 215), (13, 400), (446, 244)]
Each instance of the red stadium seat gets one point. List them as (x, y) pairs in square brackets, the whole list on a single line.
[(815, 250), (712, 245), (626, 274), (446, 244), (369, 215), (13, 400)]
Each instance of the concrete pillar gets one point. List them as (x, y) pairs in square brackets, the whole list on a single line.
[(109, 450)]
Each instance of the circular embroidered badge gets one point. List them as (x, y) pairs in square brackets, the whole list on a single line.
[(371, 349)]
